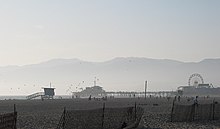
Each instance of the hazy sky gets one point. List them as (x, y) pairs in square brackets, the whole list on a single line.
[(32, 31)]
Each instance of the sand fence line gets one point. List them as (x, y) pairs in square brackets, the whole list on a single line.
[(195, 112), (9, 120), (102, 118)]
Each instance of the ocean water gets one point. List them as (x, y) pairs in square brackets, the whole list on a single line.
[(12, 97), (24, 97)]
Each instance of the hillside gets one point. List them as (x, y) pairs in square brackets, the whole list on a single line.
[(124, 74)]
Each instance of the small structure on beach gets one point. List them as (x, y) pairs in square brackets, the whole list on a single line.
[(47, 94)]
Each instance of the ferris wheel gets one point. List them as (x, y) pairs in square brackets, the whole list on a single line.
[(195, 79)]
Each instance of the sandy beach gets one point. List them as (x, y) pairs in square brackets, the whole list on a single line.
[(37, 114)]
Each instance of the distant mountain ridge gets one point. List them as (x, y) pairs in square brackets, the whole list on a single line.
[(117, 59), (124, 74)]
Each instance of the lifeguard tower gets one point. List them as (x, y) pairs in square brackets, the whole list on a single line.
[(47, 94)]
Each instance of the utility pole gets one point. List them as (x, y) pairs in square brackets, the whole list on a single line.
[(145, 90), (95, 82)]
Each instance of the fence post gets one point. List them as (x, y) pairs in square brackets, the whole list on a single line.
[(15, 117), (103, 115), (64, 118), (145, 92), (194, 111), (14, 108), (213, 109), (172, 111), (135, 111)]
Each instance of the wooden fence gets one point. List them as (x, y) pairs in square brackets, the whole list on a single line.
[(195, 112), (8, 120), (104, 118)]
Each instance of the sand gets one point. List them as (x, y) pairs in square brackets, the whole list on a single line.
[(37, 114)]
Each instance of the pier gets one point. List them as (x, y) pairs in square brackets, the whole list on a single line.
[(125, 94)]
